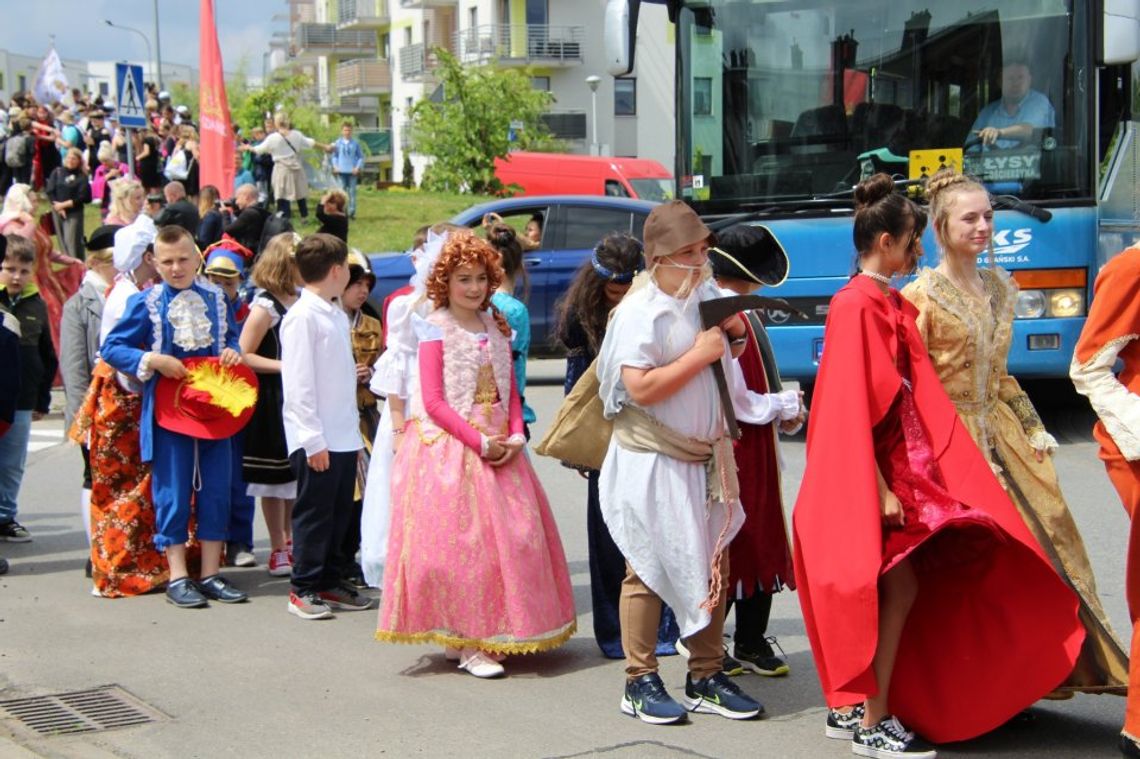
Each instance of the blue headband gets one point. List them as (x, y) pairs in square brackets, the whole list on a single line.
[(608, 274)]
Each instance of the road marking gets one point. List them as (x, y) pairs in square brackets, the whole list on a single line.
[(44, 438)]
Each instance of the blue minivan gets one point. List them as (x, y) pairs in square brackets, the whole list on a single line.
[(572, 225)]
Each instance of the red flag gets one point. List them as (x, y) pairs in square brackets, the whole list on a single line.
[(216, 161)]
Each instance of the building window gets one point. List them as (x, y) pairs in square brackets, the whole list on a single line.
[(1, 80), (22, 80), (625, 97), (104, 88), (473, 17), (702, 96), (540, 83), (407, 36)]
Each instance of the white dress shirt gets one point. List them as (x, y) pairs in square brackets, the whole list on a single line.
[(318, 374)]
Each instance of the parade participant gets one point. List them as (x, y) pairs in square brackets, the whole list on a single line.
[(69, 191), (392, 379), (10, 374), (265, 462), (79, 343), (124, 559), (471, 525), (127, 201), (180, 319), (966, 320), (904, 536), (667, 485), (1109, 336), (289, 181), (596, 289), (365, 351), (745, 259), (505, 242), (20, 297), (224, 267), (322, 428)]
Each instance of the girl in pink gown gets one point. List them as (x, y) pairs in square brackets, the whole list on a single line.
[(475, 563)]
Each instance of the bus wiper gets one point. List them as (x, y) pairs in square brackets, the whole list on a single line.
[(1014, 203)]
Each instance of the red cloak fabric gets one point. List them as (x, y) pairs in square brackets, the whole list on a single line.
[(759, 554), (979, 645)]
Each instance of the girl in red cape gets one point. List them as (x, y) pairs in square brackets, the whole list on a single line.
[(916, 574)]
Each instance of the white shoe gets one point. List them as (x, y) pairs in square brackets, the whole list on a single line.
[(245, 559), (682, 649), (479, 664)]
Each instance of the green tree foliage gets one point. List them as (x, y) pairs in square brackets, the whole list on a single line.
[(470, 126)]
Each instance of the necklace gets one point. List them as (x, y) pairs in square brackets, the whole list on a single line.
[(881, 278)]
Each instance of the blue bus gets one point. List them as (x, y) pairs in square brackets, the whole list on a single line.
[(783, 105)]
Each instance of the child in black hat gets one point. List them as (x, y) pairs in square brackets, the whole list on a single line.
[(745, 259)]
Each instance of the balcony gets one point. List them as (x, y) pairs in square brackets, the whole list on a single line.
[(520, 44), (312, 40), (416, 61), (377, 143), (362, 15), (356, 106), (406, 136), (427, 3), (364, 76)]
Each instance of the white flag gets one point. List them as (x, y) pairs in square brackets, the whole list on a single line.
[(51, 84)]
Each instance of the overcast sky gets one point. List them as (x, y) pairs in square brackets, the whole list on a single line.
[(244, 29)]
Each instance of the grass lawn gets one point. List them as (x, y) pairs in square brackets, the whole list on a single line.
[(385, 219)]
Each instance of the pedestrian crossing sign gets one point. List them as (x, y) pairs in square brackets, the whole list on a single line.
[(130, 97)]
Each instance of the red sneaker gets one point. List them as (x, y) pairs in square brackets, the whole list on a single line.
[(280, 564)]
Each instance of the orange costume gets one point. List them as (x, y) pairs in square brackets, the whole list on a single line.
[(1111, 333)]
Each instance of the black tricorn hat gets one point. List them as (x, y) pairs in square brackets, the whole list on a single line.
[(103, 237), (751, 253)]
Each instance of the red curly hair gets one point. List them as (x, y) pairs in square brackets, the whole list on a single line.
[(464, 248)]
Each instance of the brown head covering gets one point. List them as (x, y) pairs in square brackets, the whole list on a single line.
[(672, 226)]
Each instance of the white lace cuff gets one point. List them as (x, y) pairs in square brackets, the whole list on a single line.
[(144, 372), (788, 403), (1043, 441), (484, 444)]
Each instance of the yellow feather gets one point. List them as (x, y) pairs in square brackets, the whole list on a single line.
[(227, 391)]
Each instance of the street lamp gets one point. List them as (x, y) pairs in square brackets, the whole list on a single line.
[(593, 80), (149, 57)]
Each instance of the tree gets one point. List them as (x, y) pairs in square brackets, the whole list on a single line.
[(470, 126)]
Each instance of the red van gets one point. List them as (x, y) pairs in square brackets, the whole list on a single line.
[(570, 174)]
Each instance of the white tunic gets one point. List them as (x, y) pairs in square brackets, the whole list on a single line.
[(653, 504)]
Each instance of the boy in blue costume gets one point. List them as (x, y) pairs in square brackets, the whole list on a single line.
[(182, 318)]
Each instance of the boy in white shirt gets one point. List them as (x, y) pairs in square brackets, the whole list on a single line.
[(322, 428)]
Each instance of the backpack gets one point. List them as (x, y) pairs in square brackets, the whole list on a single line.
[(16, 151), (276, 224)]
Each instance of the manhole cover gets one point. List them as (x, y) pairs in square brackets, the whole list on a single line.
[(86, 711)]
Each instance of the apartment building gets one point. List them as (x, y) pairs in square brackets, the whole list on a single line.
[(374, 59)]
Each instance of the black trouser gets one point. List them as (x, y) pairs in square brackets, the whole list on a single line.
[(320, 519), (351, 543), (302, 207), (752, 615), (86, 453)]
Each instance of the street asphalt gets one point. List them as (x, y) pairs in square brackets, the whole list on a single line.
[(253, 681)]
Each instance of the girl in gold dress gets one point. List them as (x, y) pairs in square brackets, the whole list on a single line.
[(966, 320)]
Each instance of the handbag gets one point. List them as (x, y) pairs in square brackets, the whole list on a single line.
[(580, 433), (177, 168)]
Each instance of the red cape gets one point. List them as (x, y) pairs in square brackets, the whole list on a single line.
[(978, 647)]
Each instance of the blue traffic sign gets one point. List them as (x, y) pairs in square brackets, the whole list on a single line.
[(130, 97)]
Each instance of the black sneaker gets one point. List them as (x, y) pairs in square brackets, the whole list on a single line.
[(3, 566), (218, 588), (890, 740), (345, 597), (647, 699), (1129, 746), (719, 695), (184, 594), (840, 725), (14, 532), (764, 660), (731, 667)]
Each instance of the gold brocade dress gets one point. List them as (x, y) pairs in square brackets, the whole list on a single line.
[(968, 339), (366, 348)]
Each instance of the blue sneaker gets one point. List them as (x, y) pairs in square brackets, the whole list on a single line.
[(647, 699), (719, 695)]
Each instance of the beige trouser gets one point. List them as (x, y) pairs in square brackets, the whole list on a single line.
[(640, 612)]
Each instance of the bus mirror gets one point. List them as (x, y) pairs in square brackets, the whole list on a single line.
[(620, 35), (1121, 27)]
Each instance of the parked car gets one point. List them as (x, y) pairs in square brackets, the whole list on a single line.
[(571, 227), (573, 174)]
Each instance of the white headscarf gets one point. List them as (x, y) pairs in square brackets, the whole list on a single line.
[(132, 241), (425, 260)]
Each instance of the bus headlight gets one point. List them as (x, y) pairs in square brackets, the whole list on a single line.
[(1064, 303), (1030, 304)]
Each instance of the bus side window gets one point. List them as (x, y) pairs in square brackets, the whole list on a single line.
[(615, 190)]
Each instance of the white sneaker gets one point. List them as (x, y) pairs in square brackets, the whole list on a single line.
[(245, 559), (480, 664)]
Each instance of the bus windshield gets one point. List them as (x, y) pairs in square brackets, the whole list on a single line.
[(782, 102)]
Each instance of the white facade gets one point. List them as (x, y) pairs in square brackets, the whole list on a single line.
[(559, 41), (102, 75), (18, 73)]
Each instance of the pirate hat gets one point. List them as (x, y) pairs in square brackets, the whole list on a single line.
[(212, 402), (750, 253), (672, 226)]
